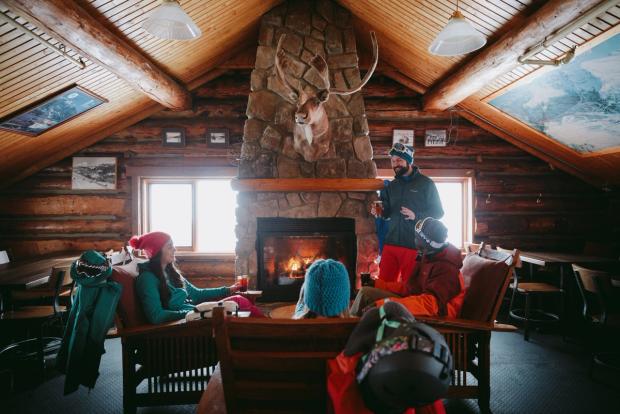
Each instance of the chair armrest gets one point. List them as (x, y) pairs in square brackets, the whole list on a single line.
[(163, 328), (441, 322)]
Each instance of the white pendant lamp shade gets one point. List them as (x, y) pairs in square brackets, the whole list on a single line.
[(169, 21), (457, 38)]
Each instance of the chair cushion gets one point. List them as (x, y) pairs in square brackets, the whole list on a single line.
[(484, 278), (129, 307)]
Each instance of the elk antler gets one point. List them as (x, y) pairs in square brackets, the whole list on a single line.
[(279, 70), (375, 54)]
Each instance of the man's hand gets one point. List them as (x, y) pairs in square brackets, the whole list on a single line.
[(234, 288), (409, 215)]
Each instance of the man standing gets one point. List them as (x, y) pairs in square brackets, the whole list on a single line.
[(410, 197)]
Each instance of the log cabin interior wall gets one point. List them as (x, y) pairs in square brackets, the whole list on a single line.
[(41, 214)]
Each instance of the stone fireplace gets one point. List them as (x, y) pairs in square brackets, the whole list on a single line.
[(311, 28)]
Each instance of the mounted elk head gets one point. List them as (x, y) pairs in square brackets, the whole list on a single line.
[(311, 135)]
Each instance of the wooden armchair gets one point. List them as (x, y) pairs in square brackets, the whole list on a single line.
[(273, 365), (165, 364), (486, 274)]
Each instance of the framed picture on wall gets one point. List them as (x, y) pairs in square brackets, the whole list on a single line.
[(173, 137), (217, 137), (93, 173), (404, 136), (51, 111), (435, 138)]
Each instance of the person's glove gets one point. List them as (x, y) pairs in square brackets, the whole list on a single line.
[(192, 316)]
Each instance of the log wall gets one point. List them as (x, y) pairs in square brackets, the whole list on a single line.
[(42, 214)]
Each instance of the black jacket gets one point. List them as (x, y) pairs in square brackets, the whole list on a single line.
[(416, 192)]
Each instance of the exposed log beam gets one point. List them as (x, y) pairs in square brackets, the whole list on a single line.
[(501, 57), (78, 30)]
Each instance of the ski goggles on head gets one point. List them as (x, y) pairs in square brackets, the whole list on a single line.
[(418, 229)]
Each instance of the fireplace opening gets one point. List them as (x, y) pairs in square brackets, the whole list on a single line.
[(286, 247)]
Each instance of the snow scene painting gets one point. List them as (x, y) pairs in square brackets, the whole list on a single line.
[(577, 104), (94, 173), (52, 112)]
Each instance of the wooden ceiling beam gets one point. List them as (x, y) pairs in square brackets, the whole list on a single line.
[(78, 30), (501, 57)]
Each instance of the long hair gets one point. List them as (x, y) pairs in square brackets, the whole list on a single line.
[(174, 275)]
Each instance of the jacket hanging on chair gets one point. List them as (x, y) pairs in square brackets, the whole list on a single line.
[(91, 316)]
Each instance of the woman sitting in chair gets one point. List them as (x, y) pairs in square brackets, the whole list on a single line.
[(165, 294), (325, 292), (436, 286)]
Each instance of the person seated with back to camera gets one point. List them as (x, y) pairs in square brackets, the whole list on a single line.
[(165, 294), (325, 292), (436, 286)]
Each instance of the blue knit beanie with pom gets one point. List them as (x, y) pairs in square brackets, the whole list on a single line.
[(327, 291)]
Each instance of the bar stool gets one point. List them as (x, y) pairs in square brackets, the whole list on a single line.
[(601, 310), (529, 314)]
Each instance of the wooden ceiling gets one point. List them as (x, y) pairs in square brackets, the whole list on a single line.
[(405, 28)]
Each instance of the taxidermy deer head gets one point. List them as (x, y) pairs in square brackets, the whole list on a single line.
[(311, 135)]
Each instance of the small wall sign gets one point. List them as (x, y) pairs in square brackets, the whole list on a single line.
[(435, 138)]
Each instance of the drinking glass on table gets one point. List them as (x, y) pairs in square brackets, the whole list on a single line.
[(242, 280)]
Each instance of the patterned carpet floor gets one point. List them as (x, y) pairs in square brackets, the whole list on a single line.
[(545, 375)]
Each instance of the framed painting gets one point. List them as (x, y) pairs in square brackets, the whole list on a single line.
[(404, 136), (93, 173), (576, 104), (52, 111), (217, 137)]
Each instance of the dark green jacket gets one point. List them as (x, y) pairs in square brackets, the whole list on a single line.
[(416, 192), (91, 316), (182, 300)]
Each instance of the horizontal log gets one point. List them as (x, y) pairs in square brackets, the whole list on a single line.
[(384, 128), (196, 146), (539, 224), (519, 165), (209, 108), (27, 248), (457, 149), (59, 184), (63, 205), (548, 184), (41, 227), (151, 128), (307, 184), (403, 109), (231, 85), (546, 203)]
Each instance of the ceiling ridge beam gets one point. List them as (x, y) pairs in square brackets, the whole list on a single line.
[(72, 25), (502, 56)]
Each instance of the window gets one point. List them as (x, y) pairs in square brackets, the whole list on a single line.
[(455, 192), (198, 212)]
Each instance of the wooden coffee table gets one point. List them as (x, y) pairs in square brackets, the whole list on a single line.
[(283, 312)]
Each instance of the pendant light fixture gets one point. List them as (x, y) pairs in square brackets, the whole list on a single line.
[(458, 37), (170, 22)]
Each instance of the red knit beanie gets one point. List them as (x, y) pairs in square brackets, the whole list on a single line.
[(151, 242)]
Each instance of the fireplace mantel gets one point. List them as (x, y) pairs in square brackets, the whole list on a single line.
[(306, 184)]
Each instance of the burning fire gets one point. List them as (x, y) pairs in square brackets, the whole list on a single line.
[(297, 266)]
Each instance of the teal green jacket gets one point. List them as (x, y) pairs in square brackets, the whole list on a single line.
[(182, 300), (92, 314)]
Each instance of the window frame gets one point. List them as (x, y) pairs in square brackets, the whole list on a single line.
[(141, 177), (465, 178)]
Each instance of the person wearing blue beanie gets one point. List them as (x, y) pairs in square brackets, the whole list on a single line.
[(326, 291)]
